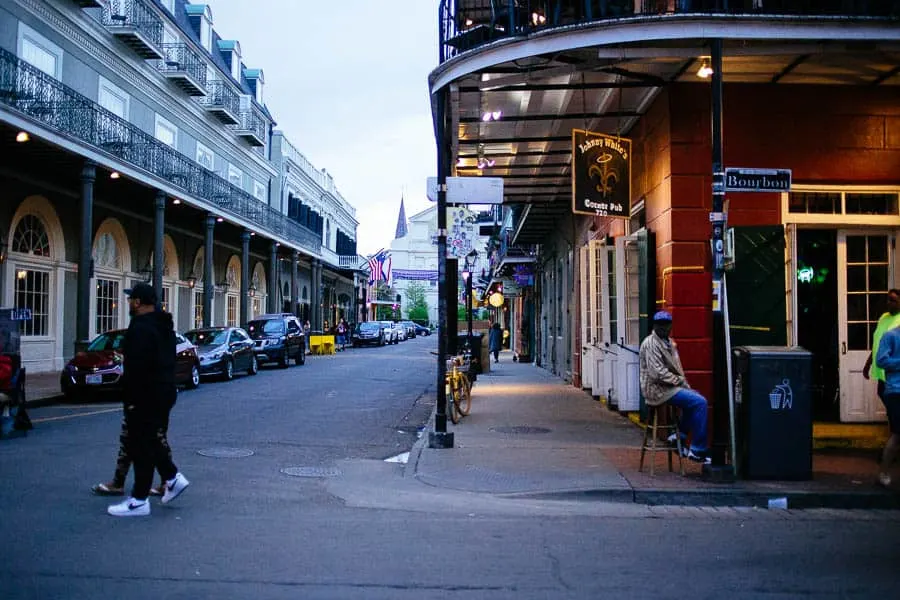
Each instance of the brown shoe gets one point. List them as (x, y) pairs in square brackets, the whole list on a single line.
[(108, 489)]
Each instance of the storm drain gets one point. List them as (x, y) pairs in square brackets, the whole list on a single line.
[(520, 429), (312, 471), (225, 452)]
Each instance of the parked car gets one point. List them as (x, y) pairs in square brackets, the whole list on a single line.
[(224, 350), (410, 328), (278, 338), (422, 330), (402, 334), (391, 335), (368, 333), (99, 367)]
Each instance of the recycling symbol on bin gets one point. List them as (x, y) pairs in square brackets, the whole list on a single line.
[(782, 397)]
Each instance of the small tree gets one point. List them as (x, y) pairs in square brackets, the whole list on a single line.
[(417, 307)]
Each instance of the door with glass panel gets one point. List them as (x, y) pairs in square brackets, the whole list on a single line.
[(865, 273)]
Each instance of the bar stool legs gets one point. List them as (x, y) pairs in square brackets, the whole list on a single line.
[(651, 438)]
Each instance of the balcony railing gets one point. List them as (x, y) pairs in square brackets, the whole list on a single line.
[(351, 261), (467, 24), (89, 3), (32, 93), (184, 68), (136, 24), (222, 101), (251, 127)]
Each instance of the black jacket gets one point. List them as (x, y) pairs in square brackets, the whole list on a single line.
[(149, 367)]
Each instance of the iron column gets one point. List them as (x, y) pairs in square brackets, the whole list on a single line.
[(273, 278), (159, 217), (209, 279), (85, 261), (245, 277)]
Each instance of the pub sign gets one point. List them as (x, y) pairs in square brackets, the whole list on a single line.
[(601, 174)]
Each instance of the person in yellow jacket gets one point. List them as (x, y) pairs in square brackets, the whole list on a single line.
[(887, 321)]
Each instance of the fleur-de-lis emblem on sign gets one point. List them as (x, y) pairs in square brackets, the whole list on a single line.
[(608, 178)]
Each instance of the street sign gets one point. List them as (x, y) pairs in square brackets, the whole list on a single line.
[(757, 180), (468, 190)]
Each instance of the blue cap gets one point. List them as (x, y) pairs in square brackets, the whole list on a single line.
[(662, 316)]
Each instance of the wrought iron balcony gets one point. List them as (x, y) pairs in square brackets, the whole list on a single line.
[(251, 127), (351, 261), (222, 101), (467, 24), (28, 91), (89, 3), (136, 24), (184, 68)]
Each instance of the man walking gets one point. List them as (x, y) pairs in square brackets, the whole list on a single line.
[(883, 365), (662, 380), (149, 394)]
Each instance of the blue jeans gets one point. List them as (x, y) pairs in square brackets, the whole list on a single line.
[(693, 417)]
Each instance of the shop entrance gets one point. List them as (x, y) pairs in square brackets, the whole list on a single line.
[(815, 279)]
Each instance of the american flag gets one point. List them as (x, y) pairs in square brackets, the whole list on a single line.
[(376, 267)]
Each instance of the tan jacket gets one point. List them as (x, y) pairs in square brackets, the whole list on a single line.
[(661, 373)]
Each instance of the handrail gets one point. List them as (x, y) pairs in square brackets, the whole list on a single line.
[(465, 24), (181, 58), (31, 92), (135, 14), (219, 93)]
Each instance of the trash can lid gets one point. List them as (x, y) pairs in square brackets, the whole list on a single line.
[(773, 350)]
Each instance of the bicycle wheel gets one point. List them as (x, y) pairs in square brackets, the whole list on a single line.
[(465, 395), (453, 403)]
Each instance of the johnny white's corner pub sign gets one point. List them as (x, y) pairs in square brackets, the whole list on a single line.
[(601, 174)]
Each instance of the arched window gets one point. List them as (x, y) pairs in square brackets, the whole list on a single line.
[(106, 252), (30, 237)]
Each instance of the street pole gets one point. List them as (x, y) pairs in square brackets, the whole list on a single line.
[(469, 308), (440, 437), (718, 470)]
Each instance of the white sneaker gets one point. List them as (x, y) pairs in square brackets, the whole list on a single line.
[(174, 487), (130, 508), (884, 479)]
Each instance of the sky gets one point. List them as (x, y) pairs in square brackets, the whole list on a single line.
[(347, 82)]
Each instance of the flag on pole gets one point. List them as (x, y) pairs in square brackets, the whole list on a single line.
[(375, 267)]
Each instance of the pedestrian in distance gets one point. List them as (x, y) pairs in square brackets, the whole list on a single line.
[(495, 341), (341, 330), (149, 395), (306, 329), (886, 370), (662, 380)]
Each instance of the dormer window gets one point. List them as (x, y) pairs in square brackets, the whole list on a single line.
[(206, 34), (200, 18), (256, 80)]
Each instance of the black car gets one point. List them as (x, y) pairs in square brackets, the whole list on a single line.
[(422, 330), (278, 338), (368, 333), (224, 350)]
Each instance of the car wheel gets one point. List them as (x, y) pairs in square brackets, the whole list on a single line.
[(283, 360), (254, 366), (228, 374), (194, 381), (300, 358)]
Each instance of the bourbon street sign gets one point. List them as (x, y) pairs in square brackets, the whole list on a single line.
[(757, 180), (601, 174)]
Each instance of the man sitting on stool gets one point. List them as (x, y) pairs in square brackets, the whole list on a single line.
[(662, 380)]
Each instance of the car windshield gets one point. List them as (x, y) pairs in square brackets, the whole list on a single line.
[(108, 341), (266, 326), (207, 337), (369, 326)]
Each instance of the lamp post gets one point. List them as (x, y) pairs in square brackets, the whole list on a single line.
[(470, 261)]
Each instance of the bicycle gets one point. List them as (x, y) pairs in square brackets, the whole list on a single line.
[(458, 388)]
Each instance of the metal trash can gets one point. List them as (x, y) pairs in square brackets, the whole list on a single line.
[(477, 361), (773, 409)]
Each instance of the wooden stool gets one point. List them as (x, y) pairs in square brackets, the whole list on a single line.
[(651, 431)]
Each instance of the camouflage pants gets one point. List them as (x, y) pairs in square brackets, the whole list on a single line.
[(123, 460)]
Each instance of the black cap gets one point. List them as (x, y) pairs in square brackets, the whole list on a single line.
[(143, 292)]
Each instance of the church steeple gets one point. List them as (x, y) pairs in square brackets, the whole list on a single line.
[(401, 222)]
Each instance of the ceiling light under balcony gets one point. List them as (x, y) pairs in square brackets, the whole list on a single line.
[(22, 137), (114, 175), (176, 201), (219, 219), (705, 70)]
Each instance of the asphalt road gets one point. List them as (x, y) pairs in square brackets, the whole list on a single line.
[(359, 529)]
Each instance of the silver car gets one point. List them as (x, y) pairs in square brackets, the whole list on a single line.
[(391, 333)]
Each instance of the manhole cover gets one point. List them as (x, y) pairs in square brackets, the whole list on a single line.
[(312, 471), (520, 429), (225, 452)]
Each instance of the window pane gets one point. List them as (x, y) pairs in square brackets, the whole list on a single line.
[(856, 248), (857, 307), (31, 291), (815, 202), (856, 278), (877, 306), (878, 278), (878, 248), (858, 336), (39, 57), (871, 204)]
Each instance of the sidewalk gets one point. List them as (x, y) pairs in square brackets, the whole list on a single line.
[(530, 434)]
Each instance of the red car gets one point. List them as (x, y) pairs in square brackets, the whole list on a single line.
[(99, 368)]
